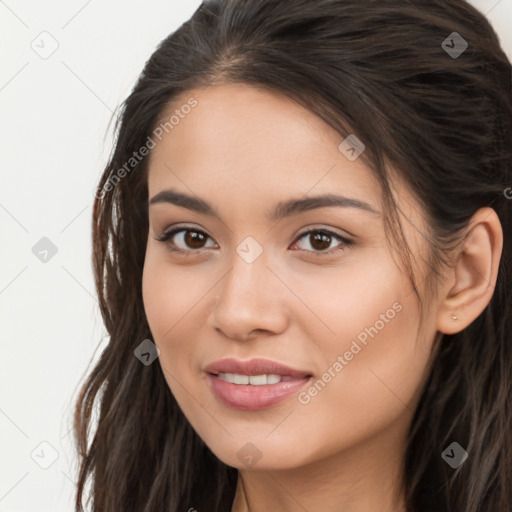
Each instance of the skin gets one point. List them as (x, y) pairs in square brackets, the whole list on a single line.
[(242, 150)]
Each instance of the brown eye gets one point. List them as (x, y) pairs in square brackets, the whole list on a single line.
[(194, 239), (184, 240), (321, 239), (188, 241)]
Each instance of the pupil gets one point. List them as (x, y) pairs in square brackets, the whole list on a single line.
[(324, 239), (194, 239)]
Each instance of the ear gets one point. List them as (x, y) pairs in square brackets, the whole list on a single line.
[(472, 280)]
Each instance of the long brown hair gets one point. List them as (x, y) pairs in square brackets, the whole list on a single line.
[(375, 68)]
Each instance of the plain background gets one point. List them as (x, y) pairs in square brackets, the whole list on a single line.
[(55, 140)]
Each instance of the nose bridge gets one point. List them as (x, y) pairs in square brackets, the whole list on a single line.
[(247, 280), (247, 297), (249, 270)]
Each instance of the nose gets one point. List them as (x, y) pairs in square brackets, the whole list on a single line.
[(250, 300)]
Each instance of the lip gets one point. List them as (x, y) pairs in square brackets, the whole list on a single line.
[(249, 397), (255, 366)]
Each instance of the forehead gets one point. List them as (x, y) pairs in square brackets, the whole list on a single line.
[(256, 141)]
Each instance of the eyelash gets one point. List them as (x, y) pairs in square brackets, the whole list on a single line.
[(165, 238)]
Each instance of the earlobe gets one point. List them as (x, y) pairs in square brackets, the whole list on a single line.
[(473, 278)]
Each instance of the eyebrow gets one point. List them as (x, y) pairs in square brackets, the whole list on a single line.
[(280, 211)]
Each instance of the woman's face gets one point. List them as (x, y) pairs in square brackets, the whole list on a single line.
[(250, 284)]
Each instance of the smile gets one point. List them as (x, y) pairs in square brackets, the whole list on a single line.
[(250, 396)]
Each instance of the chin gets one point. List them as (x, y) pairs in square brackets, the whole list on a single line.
[(259, 455)]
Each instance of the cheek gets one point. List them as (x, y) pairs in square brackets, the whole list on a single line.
[(174, 298), (371, 366), (363, 300), (168, 303), (169, 296)]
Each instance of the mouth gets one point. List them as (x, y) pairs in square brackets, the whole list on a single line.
[(254, 385), (254, 397), (255, 380)]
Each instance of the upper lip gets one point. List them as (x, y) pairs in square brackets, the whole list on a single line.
[(256, 366)]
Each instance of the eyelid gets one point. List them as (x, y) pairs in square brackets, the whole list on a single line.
[(319, 227), (175, 229), (345, 241)]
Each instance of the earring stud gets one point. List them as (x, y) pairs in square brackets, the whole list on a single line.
[(454, 317)]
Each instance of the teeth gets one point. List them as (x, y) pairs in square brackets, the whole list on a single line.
[(240, 379), (254, 380)]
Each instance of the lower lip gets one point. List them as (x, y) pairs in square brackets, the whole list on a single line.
[(253, 398)]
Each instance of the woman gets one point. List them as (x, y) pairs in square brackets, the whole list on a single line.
[(302, 254)]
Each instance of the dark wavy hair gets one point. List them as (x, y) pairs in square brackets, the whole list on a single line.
[(373, 68)]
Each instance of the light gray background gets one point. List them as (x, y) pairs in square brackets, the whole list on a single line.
[(55, 140)]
